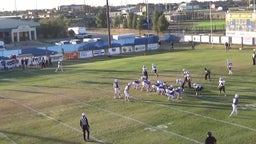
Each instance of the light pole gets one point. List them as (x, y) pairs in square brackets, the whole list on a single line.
[(211, 22)]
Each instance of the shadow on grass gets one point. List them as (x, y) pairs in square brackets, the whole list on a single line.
[(45, 139), (52, 140)]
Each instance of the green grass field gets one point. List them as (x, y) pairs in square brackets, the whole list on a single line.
[(44, 107)]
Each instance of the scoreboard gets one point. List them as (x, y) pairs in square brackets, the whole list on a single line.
[(241, 24)]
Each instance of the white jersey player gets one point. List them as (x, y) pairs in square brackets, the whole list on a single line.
[(59, 67), (126, 92), (234, 104), (116, 89)]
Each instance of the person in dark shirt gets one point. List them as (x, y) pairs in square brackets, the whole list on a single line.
[(84, 124), (210, 139), (207, 74)]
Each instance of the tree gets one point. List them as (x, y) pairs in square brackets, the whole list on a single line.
[(162, 23), (101, 18), (116, 21), (134, 21), (139, 24), (130, 18), (54, 27), (155, 18), (125, 25)]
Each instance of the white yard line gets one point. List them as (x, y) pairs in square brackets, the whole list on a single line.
[(198, 115), (5, 136), (206, 117), (138, 121), (51, 118)]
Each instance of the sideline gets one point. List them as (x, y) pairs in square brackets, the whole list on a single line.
[(51, 118)]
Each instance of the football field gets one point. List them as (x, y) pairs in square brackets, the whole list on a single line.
[(40, 106)]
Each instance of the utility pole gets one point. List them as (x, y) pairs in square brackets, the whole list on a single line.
[(108, 25), (211, 22)]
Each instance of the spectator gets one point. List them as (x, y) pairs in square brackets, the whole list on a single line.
[(210, 139), (193, 45)]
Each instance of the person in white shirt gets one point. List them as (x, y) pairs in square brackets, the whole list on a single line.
[(116, 89), (126, 92), (221, 85), (59, 67), (154, 69), (234, 104)]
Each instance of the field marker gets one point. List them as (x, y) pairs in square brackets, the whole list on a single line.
[(51, 118)]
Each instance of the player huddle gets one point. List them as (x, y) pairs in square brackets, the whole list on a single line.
[(160, 87)]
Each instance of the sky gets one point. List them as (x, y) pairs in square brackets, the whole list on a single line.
[(12, 5)]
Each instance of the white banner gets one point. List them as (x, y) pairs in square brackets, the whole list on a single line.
[(196, 38), (153, 46), (248, 40), (224, 39), (85, 54), (98, 52), (236, 40), (127, 49), (205, 39), (114, 50), (139, 48), (215, 39), (187, 38)]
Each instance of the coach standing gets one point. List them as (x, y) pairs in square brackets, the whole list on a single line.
[(84, 123)]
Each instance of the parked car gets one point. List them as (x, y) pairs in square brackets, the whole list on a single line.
[(75, 41), (62, 42)]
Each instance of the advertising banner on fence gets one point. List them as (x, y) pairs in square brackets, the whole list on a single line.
[(71, 55), (196, 38), (127, 49), (114, 50), (139, 48), (236, 40), (153, 46), (187, 38), (215, 39), (224, 39), (85, 54), (248, 40), (55, 58), (98, 52), (205, 39)]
